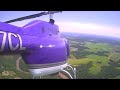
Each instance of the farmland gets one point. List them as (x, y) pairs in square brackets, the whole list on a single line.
[(95, 57)]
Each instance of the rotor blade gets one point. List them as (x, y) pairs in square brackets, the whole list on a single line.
[(26, 17), (32, 16)]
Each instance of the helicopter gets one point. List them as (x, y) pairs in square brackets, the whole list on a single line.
[(39, 43)]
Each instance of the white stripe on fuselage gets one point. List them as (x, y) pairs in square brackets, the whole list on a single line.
[(41, 46)]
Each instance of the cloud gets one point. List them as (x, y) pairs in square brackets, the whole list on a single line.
[(89, 28)]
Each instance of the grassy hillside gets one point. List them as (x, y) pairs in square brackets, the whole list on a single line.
[(8, 68)]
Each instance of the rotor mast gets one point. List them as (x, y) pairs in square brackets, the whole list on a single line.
[(51, 13)]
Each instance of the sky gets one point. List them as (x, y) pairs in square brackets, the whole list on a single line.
[(91, 22)]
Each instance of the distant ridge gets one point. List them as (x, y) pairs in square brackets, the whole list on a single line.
[(86, 34)]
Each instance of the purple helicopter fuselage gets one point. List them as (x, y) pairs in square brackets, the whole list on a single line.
[(38, 42)]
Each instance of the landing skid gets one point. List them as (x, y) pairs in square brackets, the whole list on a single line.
[(64, 72)]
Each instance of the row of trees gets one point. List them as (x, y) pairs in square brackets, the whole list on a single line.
[(83, 54)]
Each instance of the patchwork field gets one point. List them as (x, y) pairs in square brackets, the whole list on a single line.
[(95, 57)]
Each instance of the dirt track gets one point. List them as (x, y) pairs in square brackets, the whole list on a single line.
[(18, 64)]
